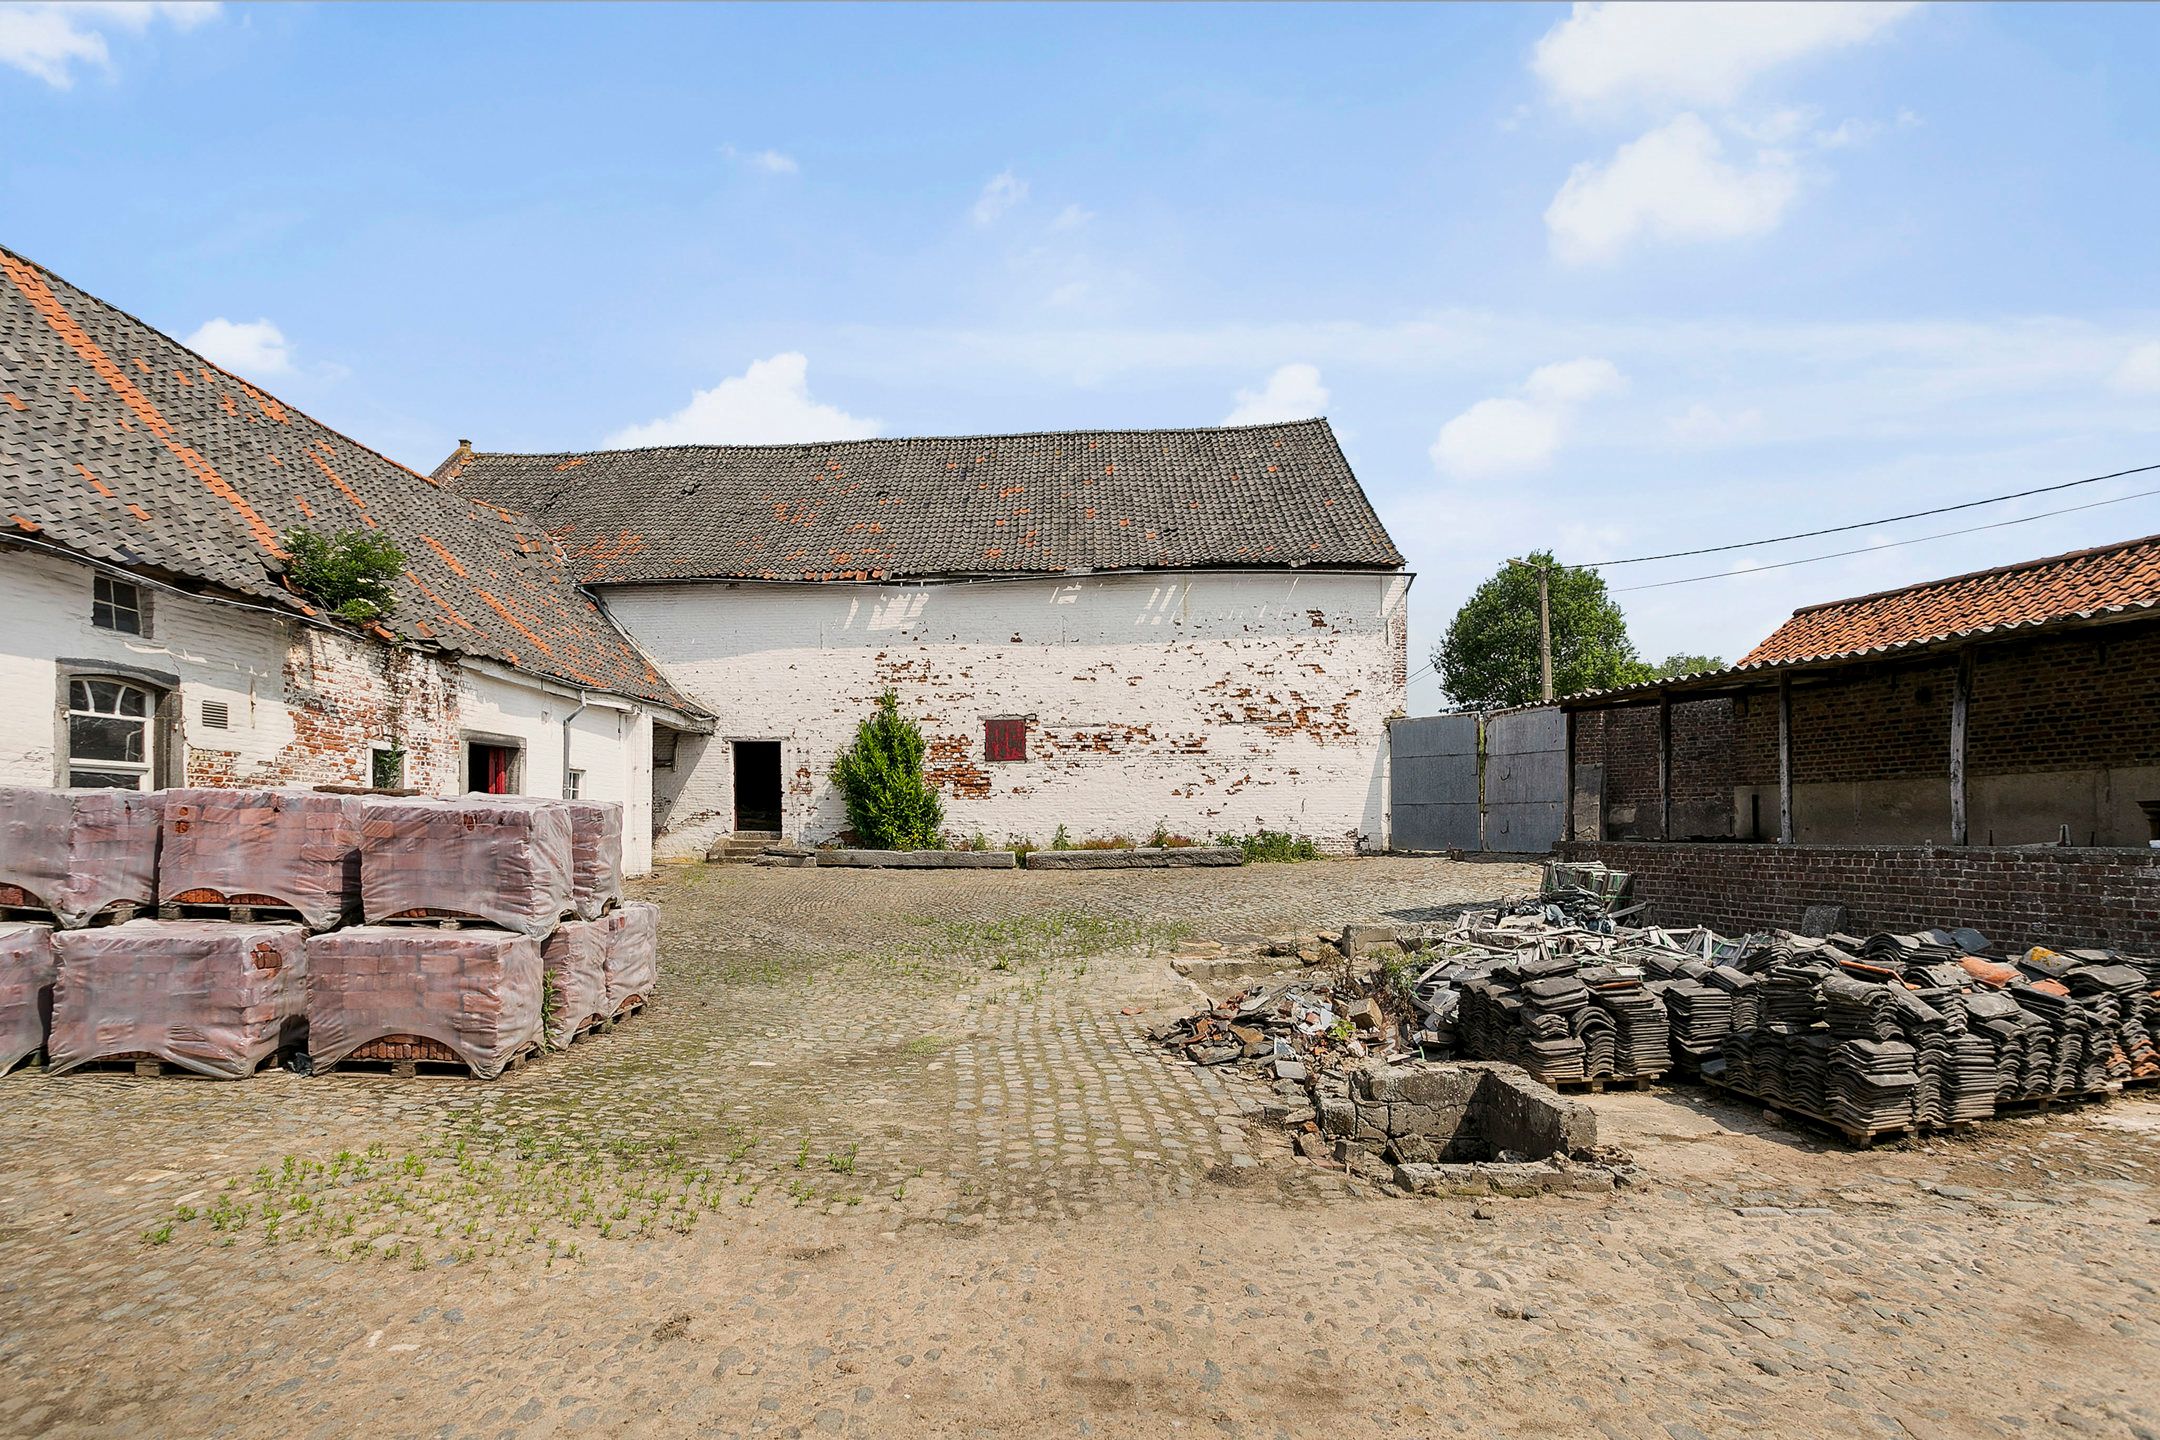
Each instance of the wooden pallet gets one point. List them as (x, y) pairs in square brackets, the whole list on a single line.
[(2033, 1104), (118, 913), (152, 1066), (1607, 1082), (240, 914), (630, 1008), (1862, 1139), (432, 1057)]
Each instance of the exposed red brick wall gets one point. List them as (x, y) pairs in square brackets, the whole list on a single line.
[(2015, 897), (1625, 741)]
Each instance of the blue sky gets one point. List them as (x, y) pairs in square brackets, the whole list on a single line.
[(1613, 280)]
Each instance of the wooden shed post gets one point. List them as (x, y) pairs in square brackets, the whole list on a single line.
[(1784, 760), (1567, 782), (1960, 708)]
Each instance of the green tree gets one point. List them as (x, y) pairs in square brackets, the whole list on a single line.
[(350, 572), (1489, 656), (1673, 665), (890, 805)]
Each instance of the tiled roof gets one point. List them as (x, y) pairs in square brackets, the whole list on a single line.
[(118, 442), (2081, 585), (1256, 496)]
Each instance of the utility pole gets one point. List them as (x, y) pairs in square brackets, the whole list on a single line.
[(1544, 620)]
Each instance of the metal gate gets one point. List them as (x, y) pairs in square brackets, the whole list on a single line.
[(1471, 782), (1525, 780), (1433, 782)]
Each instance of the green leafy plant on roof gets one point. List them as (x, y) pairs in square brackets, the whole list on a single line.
[(890, 805), (348, 573)]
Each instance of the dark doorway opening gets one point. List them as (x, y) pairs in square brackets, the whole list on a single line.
[(757, 785), (491, 769)]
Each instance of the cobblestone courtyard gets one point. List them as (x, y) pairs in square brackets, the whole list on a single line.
[(890, 1157)]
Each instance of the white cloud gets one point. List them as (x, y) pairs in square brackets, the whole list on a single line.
[(1293, 392), (1702, 424), (49, 40), (1693, 54), (1513, 434), (1003, 191), (1671, 184), (1570, 382), (245, 347), (768, 404), (1072, 217), (772, 162), (2139, 372)]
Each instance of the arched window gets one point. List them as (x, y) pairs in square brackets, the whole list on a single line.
[(109, 734)]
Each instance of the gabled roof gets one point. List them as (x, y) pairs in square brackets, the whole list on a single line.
[(119, 443), (1254, 496), (2082, 585)]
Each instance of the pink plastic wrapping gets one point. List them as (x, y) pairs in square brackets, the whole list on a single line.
[(575, 957), (474, 992), (75, 852), (296, 848), (26, 979), (210, 996), (633, 953), (499, 860), (596, 846), (596, 836)]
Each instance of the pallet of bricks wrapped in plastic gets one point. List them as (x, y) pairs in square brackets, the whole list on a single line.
[(473, 954), (26, 980), (261, 854), (1910, 1032), (211, 997), (77, 857)]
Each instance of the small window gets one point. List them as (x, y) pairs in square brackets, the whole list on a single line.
[(109, 734), (116, 605), (574, 787), (1005, 738), (663, 748), (216, 715), (386, 768)]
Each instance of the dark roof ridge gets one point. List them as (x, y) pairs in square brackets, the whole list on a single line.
[(1320, 420), (1992, 571)]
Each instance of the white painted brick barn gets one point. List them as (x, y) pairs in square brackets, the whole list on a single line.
[(1105, 631), (1102, 631)]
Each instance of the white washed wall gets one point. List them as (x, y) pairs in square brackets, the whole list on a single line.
[(305, 704), (1207, 701)]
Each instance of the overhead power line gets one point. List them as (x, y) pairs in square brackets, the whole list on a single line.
[(1864, 524), (1890, 545)]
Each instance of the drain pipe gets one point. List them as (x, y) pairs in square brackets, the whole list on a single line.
[(583, 704)]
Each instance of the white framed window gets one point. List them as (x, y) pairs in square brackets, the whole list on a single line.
[(118, 606), (110, 743), (574, 785)]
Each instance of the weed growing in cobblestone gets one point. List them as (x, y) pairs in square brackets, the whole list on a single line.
[(842, 1161)]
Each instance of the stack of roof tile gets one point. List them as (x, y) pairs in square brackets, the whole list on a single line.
[(215, 997)]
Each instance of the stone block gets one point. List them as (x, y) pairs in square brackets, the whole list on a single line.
[(918, 859), (1145, 858)]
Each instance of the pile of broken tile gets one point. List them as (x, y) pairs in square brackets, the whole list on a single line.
[(1894, 1032)]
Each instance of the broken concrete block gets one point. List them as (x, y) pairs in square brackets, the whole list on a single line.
[(1362, 939)]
